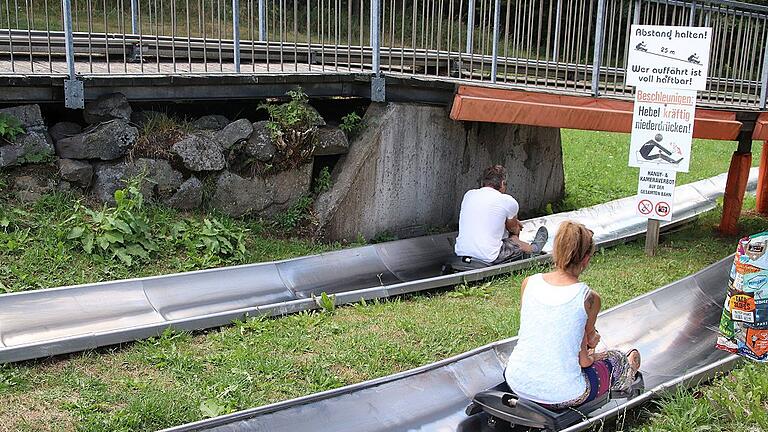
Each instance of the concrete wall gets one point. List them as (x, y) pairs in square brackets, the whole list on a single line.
[(409, 168)]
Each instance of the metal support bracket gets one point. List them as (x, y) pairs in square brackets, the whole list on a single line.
[(378, 89), (74, 94)]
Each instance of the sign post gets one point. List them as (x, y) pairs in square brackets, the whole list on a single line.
[(667, 65)]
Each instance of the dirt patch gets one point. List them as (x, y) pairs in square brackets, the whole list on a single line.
[(33, 412), (347, 374)]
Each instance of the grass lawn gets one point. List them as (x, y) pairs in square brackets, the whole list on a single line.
[(596, 168), (182, 377)]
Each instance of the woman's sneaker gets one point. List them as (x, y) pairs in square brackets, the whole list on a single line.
[(539, 240)]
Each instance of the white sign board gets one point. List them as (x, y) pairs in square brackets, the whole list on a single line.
[(669, 57), (655, 194), (662, 128)]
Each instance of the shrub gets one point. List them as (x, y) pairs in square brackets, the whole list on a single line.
[(10, 127), (293, 128)]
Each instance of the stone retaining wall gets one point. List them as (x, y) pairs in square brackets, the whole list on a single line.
[(404, 173), (96, 157)]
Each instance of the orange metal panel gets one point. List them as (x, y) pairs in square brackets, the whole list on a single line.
[(761, 128), (573, 112)]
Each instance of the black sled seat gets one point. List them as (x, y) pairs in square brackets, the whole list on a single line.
[(461, 264), (501, 404)]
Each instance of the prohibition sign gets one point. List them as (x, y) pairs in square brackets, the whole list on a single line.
[(662, 209), (645, 207)]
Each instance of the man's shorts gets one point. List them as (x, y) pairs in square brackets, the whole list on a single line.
[(510, 251)]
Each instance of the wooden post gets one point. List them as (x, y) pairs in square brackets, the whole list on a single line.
[(762, 182), (652, 237), (735, 187)]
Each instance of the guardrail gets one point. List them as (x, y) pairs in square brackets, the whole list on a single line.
[(575, 46)]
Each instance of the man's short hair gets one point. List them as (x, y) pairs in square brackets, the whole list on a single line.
[(494, 176)]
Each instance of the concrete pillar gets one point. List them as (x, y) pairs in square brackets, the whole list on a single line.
[(408, 171), (762, 182)]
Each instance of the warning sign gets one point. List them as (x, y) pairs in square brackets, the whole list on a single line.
[(655, 194), (669, 57), (662, 129), (645, 207)]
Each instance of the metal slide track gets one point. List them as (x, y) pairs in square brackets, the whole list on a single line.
[(674, 328), (54, 321)]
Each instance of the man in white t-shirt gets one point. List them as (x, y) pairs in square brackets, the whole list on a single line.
[(488, 226)]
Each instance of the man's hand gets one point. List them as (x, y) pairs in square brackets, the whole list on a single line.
[(513, 226)]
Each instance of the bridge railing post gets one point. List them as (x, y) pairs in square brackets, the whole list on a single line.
[(598, 53), (262, 20), (692, 17), (134, 16), (495, 58), (558, 25), (236, 33), (470, 25), (764, 88), (73, 88), (636, 13), (377, 81)]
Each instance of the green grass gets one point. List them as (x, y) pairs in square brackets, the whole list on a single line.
[(596, 168), (182, 377), (35, 253), (736, 402)]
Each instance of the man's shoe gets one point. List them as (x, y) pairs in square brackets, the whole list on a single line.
[(539, 240)]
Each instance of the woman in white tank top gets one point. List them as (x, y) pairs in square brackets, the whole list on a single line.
[(554, 362)]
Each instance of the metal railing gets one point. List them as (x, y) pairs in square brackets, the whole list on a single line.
[(575, 46)]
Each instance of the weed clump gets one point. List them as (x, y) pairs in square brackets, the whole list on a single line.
[(10, 127), (126, 232), (323, 181), (351, 124), (293, 129), (122, 231), (157, 135)]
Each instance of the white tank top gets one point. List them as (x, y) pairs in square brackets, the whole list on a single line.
[(544, 365)]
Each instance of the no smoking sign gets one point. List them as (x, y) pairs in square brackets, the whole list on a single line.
[(655, 194)]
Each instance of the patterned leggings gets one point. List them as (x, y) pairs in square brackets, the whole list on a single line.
[(612, 372)]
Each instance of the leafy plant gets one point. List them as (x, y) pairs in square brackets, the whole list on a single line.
[(210, 236), (351, 124), (10, 127), (13, 379), (36, 158), (293, 128), (326, 302), (294, 216), (122, 231), (323, 181), (210, 408)]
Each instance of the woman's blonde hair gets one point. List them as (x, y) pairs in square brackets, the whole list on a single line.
[(573, 243)]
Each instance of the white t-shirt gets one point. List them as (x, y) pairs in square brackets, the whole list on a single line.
[(481, 223)]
